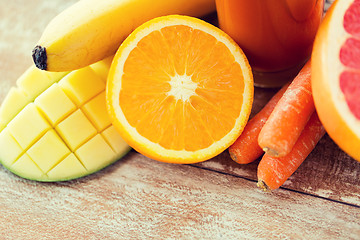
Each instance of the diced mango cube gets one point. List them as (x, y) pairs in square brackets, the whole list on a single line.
[(114, 139), (95, 153), (13, 103), (55, 104), (28, 126), (96, 111), (26, 168), (30, 84), (68, 168), (34, 81), (102, 67), (9, 148), (76, 129), (48, 151), (82, 85)]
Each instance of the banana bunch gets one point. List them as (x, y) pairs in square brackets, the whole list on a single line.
[(91, 30)]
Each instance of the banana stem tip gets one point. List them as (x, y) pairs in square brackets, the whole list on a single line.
[(39, 57)]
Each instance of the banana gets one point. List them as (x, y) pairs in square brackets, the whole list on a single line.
[(91, 30)]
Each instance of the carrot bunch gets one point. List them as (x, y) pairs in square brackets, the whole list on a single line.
[(287, 129)]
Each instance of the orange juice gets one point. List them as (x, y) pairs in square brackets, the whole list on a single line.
[(276, 35)]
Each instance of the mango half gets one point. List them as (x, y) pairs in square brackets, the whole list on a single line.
[(55, 126)]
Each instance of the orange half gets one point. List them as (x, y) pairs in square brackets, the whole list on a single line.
[(179, 90)]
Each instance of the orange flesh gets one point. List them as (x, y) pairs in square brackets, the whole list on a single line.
[(188, 122)]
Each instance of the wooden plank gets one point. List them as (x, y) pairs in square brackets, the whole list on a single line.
[(138, 198)]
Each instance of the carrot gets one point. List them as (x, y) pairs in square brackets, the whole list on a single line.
[(273, 172), (246, 148), (289, 117)]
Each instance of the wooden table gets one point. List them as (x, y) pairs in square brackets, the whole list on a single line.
[(139, 198)]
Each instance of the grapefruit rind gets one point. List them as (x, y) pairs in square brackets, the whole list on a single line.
[(340, 123)]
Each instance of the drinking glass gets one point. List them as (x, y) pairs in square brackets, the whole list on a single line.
[(275, 35)]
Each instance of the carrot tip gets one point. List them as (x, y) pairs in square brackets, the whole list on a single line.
[(261, 184), (271, 152)]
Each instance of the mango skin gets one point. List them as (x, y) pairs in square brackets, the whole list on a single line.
[(54, 126)]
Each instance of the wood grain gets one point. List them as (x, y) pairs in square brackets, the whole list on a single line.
[(139, 198)]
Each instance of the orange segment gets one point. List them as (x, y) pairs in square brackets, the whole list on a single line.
[(179, 90)]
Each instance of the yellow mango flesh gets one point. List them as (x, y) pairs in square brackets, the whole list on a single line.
[(55, 126)]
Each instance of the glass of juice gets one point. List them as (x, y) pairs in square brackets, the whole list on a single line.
[(275, 35)]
